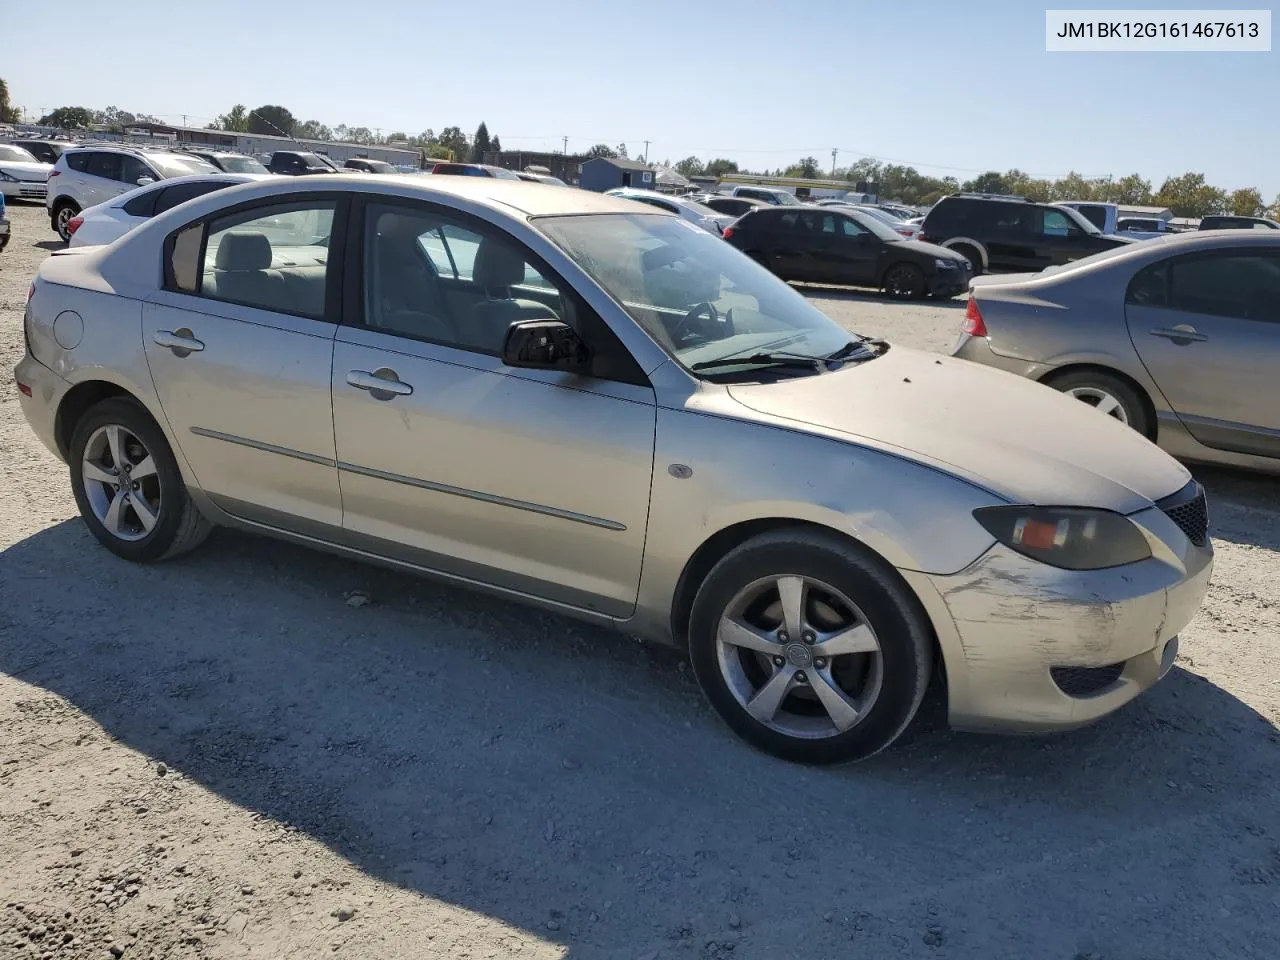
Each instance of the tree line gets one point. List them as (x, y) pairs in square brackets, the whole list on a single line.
[(1188, 195)]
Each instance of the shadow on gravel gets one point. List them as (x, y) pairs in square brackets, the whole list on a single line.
[(845, 293), (570, 781)]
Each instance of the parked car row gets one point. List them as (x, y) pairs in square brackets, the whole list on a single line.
[(585, 403)]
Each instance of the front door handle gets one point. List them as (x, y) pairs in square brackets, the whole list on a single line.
[(181, 341), (1182, 334), (382, 384)]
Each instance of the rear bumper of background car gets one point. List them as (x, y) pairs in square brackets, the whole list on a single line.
[(1028, 647), (24, 189)]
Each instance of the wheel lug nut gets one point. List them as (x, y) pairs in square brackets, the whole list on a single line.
[(820, 662), (782, 636), (778, 661), (809, 637), (801, 678)]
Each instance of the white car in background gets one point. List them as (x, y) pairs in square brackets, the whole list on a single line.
[(710, 220), (108, 221), (21, 174)]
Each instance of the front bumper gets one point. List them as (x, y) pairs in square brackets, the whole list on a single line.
[(41, 407), (947, 283), (24, 189), (1009, 625)]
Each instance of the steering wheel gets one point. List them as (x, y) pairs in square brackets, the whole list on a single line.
[(705, 307)]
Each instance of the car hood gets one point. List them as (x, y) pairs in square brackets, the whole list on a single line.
[(928, 249), (1016, 438), (26, 170)]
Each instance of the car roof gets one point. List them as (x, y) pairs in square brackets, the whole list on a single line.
[(501, 195)]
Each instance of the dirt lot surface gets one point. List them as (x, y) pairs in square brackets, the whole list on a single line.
[(219, 757)]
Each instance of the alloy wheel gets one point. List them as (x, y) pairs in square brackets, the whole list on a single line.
[(1102, 401), (902, 281), (121, 483), (65, 214), (799, 657)]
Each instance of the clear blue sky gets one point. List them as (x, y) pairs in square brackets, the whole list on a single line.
[(949, 87)]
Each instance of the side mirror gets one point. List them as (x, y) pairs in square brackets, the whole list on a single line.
[(143, 181), (544, 345)]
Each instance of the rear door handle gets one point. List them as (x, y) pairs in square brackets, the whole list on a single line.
[(382, 384), (181, 341), (1183, 331)]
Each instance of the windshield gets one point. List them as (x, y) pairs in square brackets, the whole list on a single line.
[(698, 208), (787, 200), (873, 223), (692, 292), (242, 165), (16, 154), (1080, 220), (887, 215), (502, 173), (180, 166)]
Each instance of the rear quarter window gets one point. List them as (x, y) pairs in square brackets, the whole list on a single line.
[(78, 161)]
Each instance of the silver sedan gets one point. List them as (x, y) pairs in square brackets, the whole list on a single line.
[(1178, 337), (600, 409)]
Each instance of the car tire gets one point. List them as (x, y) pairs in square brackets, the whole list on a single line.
[(63, 211), (140, 516), (780, 693), (972, 254), (904, 281), (1108, 394)]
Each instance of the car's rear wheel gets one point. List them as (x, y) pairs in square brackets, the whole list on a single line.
[(970, 253), (904, 281), (62, 214), (128, 487), (1107, 394), (809, 647)]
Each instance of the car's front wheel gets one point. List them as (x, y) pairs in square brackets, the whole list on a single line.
[(62, 216), (809, 647), (904, 281), (128, 487)]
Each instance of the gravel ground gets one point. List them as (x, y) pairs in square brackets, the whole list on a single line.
[(220, 757)]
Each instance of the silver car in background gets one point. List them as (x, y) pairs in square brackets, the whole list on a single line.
[(589, 405), (713, 221), (1178, 337)]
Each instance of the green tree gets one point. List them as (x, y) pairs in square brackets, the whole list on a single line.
[(1190, 196), (622, 150), (360, 135), (397, 135), (312, 130), (495, 145), (719, 167), (425, 139), (806, 167), (272, 120), (989, 182), (68, 118), (454, 142), (8, 112), (438, 151), (480, 143), (602, 150), (1131, 189), (689, 167), (1274, 210), (1246, 202), (1072, 187), (235, 120)]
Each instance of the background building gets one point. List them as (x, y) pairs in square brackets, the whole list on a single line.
[(605, 173)]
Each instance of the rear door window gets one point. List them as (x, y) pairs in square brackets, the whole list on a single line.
[(132, 170), (1245, 286), (105, 165)]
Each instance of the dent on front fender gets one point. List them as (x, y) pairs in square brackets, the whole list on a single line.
[(913, 516)]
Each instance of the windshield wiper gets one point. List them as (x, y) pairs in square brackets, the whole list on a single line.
[(869, 346), (792, 360)]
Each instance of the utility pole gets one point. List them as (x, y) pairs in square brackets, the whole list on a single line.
[(834, 151), (646, 151), (565, 151)]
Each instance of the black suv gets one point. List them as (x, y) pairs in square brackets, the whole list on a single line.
[(846, 246), (998, 233), (299, 163), (1216, 222)]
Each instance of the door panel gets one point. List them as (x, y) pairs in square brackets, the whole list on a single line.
[(1217, 371), (250, 409), (534, 481)]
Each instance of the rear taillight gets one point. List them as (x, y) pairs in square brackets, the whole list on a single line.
[(924, 237), (74, 224), (973, 324), (31, 291), (54, 173), (727, 232)]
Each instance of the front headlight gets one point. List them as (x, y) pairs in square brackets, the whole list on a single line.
[(6, 178), (945, 264), (1073, 538)]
